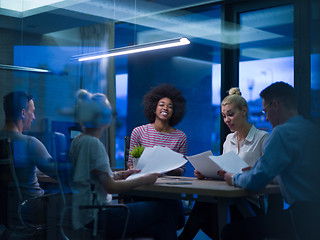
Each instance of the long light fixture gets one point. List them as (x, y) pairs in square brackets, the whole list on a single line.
[(133, 49), (21, 68)]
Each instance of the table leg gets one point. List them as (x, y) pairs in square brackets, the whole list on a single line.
[(222, 215)]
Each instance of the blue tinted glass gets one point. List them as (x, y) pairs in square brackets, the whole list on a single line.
[(121, 108), (195, 71), (315, 63), (265, 56)]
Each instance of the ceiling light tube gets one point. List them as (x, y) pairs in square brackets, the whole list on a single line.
[(20, 68), (133, 49)]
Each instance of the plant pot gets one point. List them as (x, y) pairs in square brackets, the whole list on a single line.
[(135, 162)]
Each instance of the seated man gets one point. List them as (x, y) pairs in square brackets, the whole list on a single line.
[(29, 152), (291, 153)]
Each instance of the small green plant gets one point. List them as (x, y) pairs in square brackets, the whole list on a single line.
[(137, 151)]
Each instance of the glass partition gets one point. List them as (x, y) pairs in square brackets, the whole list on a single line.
[(266, 55), (194, 69), (40, 41), (315, 62)]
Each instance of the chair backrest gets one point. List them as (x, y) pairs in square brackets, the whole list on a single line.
[(9, 184), (22, 217), (64, 169), (126, 150), (59, 147)]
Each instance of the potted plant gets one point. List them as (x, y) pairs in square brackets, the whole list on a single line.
[(136, 153)]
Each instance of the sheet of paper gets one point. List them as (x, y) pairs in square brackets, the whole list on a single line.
[(158, 160), (204, 164), (230, 162)]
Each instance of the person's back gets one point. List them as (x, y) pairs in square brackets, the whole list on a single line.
[(87, 153), (93, 179), (299, 179), (291, 152)]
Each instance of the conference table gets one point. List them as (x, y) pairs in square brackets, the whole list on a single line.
[(215, 191)]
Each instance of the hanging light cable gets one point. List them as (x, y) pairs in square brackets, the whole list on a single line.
[(133, 49)]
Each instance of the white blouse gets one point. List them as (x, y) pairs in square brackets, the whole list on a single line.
[(251, 148)]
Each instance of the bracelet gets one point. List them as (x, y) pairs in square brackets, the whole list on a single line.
[(115, 175), (232, 179)]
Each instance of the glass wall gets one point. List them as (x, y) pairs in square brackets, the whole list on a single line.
[(193, 69), (39, 44), (121, 121), (315, 62), (266, 55)]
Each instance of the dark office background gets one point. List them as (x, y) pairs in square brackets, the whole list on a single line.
[(249, 44)]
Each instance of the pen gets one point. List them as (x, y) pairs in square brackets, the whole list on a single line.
[(178, 183)]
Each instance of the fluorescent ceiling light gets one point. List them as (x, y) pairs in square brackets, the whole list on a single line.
[(19, 68), (25, 5), (133, 49)]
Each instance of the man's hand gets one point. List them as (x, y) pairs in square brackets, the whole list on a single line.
[(228, 178), (246, 169)]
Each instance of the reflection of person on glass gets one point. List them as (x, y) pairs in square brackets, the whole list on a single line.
[(292, 154), (246, 141), (93, 179), (164, 107), (29, 152)]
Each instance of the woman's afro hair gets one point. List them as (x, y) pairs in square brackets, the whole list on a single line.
[(151, 99)]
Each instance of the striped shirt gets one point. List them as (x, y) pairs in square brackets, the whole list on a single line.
[(147, 136)]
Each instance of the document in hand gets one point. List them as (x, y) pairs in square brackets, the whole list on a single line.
[(204, 164), (158, 160), (208, 165), (230, 162)]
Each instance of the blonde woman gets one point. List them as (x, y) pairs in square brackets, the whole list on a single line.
[(94, 180), (246, 141)]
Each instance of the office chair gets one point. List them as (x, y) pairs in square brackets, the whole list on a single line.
[(59, 147), (66, 228), (126, 150), (65, 181), (13, 204), (64, 168), (59, 152)]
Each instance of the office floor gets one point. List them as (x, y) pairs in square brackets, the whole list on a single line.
[(199, 236)]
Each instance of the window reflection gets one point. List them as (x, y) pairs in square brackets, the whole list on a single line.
[(267, 60)]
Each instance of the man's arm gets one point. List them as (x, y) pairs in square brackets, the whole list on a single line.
[(42, 159), (272, 162)]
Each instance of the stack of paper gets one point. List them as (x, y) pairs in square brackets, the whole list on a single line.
[(230, 162), (158, 160), (203, 163), (209, 165)]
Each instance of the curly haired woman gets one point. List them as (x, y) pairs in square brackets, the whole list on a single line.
[(164, 107)]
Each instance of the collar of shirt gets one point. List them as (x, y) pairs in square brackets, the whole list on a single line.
[(249, 138)]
